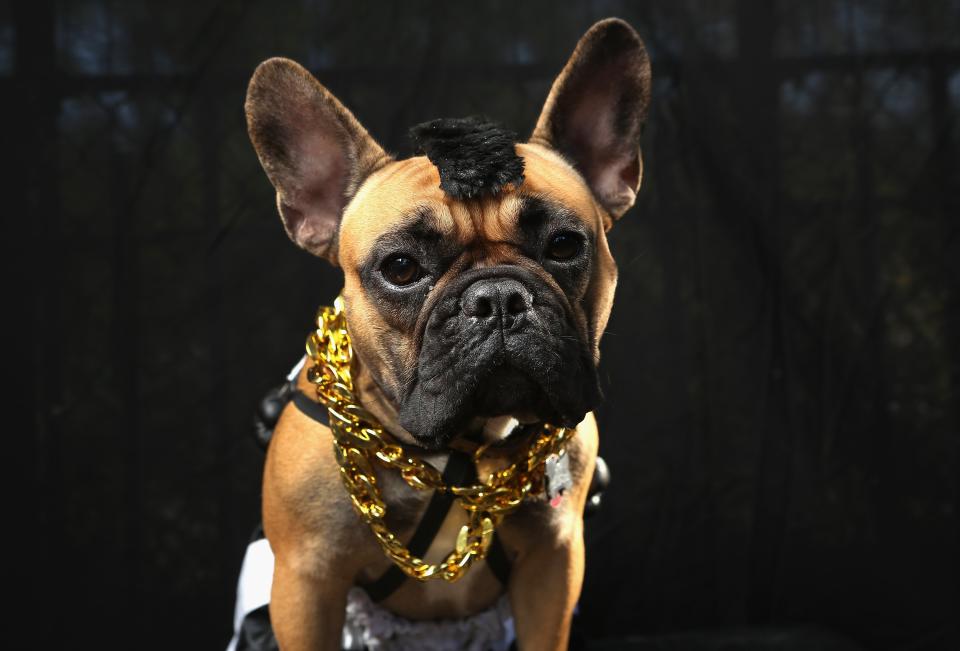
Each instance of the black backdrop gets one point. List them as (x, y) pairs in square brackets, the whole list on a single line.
[(781, 370)]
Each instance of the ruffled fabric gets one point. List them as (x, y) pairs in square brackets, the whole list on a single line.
[(372, 627)]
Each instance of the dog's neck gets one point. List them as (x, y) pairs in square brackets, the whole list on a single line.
[(372, 397)]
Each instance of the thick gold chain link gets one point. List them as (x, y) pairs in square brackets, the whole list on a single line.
[(360, 443)]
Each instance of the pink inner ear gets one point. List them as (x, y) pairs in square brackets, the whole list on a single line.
[(610, 166), (591, 120), (614, 181), (321, 161), (314, 197), (311, 231)]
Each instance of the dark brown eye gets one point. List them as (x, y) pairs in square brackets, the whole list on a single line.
[(564, 246), (400, 270)]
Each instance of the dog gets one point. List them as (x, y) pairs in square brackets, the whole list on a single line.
[(477, 284)]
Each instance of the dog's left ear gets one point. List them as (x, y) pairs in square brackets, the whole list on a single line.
[(595, 112), (314, 151)]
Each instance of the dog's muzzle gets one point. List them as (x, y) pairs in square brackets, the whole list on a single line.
[(499, 341)]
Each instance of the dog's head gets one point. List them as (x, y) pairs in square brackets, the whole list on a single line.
[(478, 280)]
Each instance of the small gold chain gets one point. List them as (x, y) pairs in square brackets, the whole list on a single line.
[(360, 443)]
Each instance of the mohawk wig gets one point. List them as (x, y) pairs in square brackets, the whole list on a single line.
[(475, 156)]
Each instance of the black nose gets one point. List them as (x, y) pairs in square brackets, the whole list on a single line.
[(496, 298)]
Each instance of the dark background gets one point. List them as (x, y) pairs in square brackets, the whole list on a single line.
[(782, 368)]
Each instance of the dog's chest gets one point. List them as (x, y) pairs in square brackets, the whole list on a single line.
[(434, 599), (479, 589)]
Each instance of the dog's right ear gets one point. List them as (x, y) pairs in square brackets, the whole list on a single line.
[(314, 151)]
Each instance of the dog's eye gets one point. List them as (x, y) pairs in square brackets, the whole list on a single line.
[(564, 246), (401, 270)]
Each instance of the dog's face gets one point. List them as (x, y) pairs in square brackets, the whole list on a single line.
[(479, 307), (478, 280)]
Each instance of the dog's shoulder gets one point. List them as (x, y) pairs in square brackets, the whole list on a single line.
[(304, 504), (537, 521)]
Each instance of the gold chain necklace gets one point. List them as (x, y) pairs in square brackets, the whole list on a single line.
[(360, 443)]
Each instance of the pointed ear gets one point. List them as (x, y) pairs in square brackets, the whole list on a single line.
[(313, 150), (595, 112)]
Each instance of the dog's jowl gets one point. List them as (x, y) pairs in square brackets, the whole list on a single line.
[(424, 488)]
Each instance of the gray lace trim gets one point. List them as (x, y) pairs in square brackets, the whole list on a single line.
[(369, 626)]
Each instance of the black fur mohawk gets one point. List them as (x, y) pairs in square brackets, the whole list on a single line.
[(475, 156)]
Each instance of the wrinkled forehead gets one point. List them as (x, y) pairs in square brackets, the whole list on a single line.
[(406, 192)]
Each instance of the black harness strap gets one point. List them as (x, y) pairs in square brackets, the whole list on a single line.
[(459, 471), (311, 408), (456, 473), (497, 559)]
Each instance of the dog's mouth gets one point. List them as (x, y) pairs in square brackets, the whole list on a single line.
[(508, 391), (436, 418)]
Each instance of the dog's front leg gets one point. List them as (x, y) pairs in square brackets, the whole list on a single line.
[(306, 518), (548, 572), (544, 587), (306, 610)]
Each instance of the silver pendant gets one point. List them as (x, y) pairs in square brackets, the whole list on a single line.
[(558, 480)]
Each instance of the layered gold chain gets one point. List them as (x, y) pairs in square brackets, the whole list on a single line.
[(360, 443)]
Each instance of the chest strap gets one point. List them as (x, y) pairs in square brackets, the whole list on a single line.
[(459, 471)]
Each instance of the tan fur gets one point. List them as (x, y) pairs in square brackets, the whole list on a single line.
[(319, 541), (484, 228), (322, 548)]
